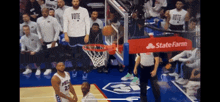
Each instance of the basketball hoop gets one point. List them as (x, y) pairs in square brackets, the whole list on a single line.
[(98, 53)]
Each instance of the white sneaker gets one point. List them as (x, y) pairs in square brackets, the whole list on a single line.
[(38, 72), (178, 80), (173, 74), (135, 81), (48, 71), (183, 82), (27, 71), (128, 76)]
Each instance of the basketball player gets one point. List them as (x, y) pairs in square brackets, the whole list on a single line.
[(76, 26), (86, 94), (62, 85)]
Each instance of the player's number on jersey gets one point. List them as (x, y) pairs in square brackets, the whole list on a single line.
[(67, 87)]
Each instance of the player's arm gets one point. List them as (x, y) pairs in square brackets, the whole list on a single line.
[(187, 20), (55, 81), (167, 15), (72, 90)]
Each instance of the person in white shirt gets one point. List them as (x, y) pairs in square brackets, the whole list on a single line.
[(94, 19), (177, 17), (149, 63), (155, 7), (48, 33), (31, 24), (76, 26), (32, 54), (86, 94), (59, 12), (192, 61)]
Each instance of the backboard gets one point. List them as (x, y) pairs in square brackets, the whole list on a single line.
[(117, 17)]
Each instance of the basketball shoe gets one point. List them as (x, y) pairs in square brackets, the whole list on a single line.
[(128, 77)]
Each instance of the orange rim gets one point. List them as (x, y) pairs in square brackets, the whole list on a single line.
[(88, 47)]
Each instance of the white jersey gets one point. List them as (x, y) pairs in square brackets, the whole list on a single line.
[(177, 17), (64, 86)]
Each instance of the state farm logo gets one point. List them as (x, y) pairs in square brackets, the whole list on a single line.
[(166, 45), (150, 46)]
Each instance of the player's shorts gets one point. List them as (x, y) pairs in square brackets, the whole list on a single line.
[(60, 99)]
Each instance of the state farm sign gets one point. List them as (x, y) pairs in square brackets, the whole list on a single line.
[(160, 44), (166, 45)]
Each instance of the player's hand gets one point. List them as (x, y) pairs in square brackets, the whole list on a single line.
[(86, 39), (135, 71), (71, 99), (153, 73), (66, 37), (75, 98)]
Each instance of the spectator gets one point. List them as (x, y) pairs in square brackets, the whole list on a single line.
[(76, 28), (149, 63), (193, 85), (41, 3), (51, 12), (22, 4), (59, 12), (94, 19), (61, 48), (192, 27), (86, 93), (95, 34), (31, 55), (171, 4), (192, 61), (155, 8), (139, 30), (95, 37), (33, 9), (114, 20), (136, 30), (31, 24), (177, 17), (192, 24), (193, 7), (48, 32)]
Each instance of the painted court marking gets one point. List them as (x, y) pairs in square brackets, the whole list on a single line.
[(182, 91), (47, 94)]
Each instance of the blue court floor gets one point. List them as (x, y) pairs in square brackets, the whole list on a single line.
[(168, 94)]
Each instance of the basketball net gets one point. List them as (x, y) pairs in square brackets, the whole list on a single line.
[(97, 53)]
